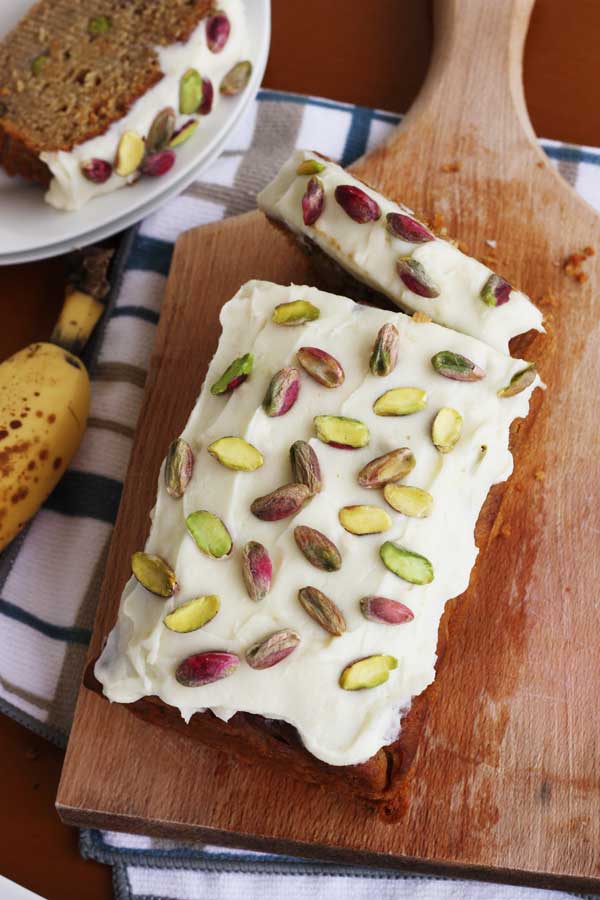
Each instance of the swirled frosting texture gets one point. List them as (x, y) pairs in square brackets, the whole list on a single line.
[(337, 726)]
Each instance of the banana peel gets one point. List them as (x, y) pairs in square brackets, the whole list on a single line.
[(45, 400)]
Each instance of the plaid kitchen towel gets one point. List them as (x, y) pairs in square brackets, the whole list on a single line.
[(50, 576)]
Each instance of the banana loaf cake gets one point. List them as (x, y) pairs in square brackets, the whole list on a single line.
[(93, 95), (311, 522)]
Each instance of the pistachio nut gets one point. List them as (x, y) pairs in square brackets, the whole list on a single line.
[(193, 615), (99, 25), (209, 534), (218, 28), (446, 429), (405, 564), (357, 204), (282, 392), (519, 382), (154, 574), (205, 668), (236, 453), (38, 63), (179, 465), (281, 503), (317, 548), (273, 649), (455, 366), (410, 501), (234, 375), (390, 467), (368, 672), (161, 130), (182, 134), (208, 95), (313, 200), (403, 401), (496, 291), (321, 366), (96, 170), (297, 312), (323, 610), (305, 466), (257, 570), (130, 153), (157, 164), (342, 432), (236, 79), (190, 92), (415, 278), (385, 611), (385, 352), (310, 167), (408, 229), (364, 519)]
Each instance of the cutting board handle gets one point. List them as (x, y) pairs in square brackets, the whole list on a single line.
[(475, 76), (472, 98)]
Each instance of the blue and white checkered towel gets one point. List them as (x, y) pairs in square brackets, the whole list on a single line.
[(50, 576)]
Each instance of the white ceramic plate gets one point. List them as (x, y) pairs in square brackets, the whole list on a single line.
[(30, 229), (11, 891)]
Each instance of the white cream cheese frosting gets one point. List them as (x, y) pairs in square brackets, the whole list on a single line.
[(370, 253), (340, 727), (69, 189)]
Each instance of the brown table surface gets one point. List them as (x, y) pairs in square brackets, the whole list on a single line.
[(370, 53)]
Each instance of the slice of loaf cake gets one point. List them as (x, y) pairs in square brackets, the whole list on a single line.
[(355, 234), (79, 76)]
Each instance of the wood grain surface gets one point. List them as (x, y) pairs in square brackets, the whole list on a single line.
[(506, 778)]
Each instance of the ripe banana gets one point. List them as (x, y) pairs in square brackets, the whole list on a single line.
[(44, 404), (45, 397)]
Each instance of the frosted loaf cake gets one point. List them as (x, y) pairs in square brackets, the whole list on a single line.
[(382, 245), (309, 591)]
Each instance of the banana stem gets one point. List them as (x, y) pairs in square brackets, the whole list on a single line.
[(78, 317), (86, 286)]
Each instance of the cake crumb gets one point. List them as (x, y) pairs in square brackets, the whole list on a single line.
[(421, 317), (548, 300), (539, 475), (506, 531), (438, 222), (572, 264), (540, 164), (451, 167)]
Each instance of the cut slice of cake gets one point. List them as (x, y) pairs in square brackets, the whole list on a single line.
[(94, 95), (382, 245), (312, 520)]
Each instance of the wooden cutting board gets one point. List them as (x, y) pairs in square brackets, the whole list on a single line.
[(506, 778)]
